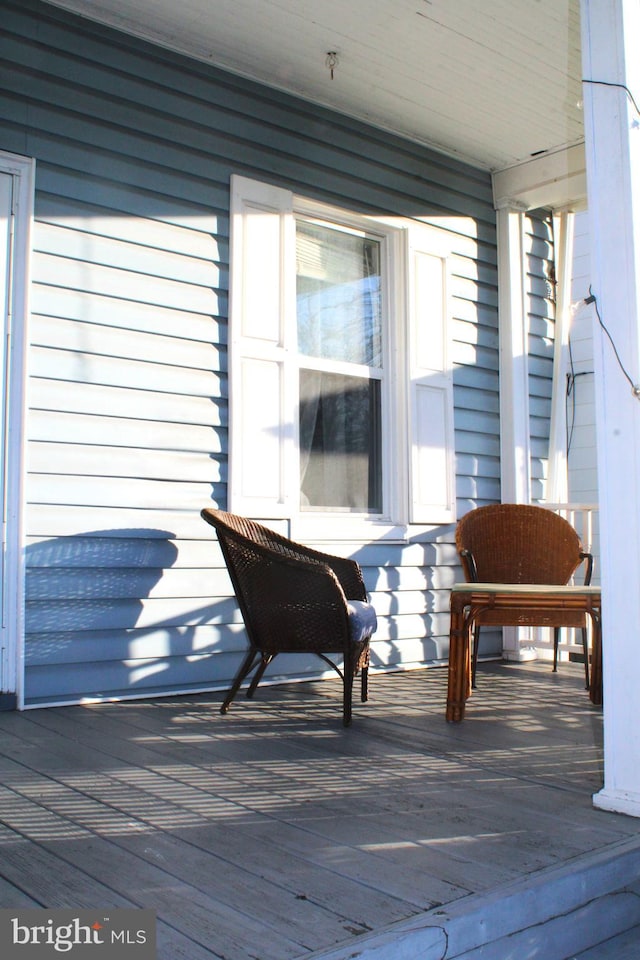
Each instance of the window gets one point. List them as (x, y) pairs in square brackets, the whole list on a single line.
[(339, 343), (340, 389)]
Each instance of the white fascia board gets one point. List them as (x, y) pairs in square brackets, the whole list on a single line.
[(556, 180)]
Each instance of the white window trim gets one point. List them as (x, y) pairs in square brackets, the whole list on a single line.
[(22, 169), (334, 526), (266, 354)]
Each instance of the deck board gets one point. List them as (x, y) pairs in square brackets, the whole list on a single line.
[(274, 832)]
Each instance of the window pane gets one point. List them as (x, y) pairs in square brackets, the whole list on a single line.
[(338, 295), (340, 459)]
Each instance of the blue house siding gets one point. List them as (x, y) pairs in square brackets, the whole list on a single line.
[(541, 311), (127, 417)]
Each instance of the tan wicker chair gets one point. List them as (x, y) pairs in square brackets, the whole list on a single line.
[(520, 543), (294, 600)]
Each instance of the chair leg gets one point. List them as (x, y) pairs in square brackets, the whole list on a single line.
[(350, 666), (585, 652), (245, 668), (364, 660), (474, 658), (364, 682), (347, 687), (257, 677)]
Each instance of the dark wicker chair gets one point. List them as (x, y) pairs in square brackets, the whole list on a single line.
[(294, 600), (520, 543)]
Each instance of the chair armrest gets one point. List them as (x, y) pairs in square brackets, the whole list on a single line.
[(292, 603), (302, 579), (280, 573), (349, 576), (588, 557), (346, 570)]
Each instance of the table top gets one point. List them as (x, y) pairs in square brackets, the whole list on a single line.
[(527, 588)]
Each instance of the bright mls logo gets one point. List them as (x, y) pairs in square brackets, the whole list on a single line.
[(81, 934)]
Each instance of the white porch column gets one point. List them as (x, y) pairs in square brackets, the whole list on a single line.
[(610, 31), (515, 472), (514, 369), (563, 232)]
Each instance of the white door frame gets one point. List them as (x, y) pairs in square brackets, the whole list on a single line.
[(22, 171)]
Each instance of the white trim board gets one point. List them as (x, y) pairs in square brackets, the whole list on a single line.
[(22, 171)]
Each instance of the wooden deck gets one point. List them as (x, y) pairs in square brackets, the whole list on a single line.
[(274, 832)]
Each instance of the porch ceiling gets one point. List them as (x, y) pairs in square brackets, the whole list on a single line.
[(493, 83)]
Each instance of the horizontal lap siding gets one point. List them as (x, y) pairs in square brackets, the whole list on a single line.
[(127, 421), (541, 310)]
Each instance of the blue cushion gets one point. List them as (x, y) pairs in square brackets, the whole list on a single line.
[(362, 620)]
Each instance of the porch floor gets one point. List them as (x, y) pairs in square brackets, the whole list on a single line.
[(274, 832)]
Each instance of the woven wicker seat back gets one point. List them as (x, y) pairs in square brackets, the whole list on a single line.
[(519, 543), (522, 543), (293, 599)]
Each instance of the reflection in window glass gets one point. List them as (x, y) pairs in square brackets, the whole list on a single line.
[(339, 324), (338, 294), (340, 461)]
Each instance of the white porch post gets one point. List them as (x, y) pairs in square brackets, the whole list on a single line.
[(514, 387), (610, 31), (563, 232), (515, 472)]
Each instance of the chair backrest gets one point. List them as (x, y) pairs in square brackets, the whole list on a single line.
[(232, 523), (243, 543), (247, 548), (518, 543), (290, 596)]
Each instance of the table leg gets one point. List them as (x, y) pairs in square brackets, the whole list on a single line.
[(459, 679), (595, 686)]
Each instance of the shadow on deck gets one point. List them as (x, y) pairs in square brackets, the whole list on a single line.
[(275, 833)]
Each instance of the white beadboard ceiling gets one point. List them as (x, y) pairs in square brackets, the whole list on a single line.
[(493, 82)]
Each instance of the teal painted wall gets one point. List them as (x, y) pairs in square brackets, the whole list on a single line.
[(127, 422)]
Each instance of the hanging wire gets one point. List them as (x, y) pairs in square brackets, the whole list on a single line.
[(635, 388), (620, 86), (572, 378), (571, 394)]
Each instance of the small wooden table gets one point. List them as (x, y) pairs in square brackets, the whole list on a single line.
[(468, 600)]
